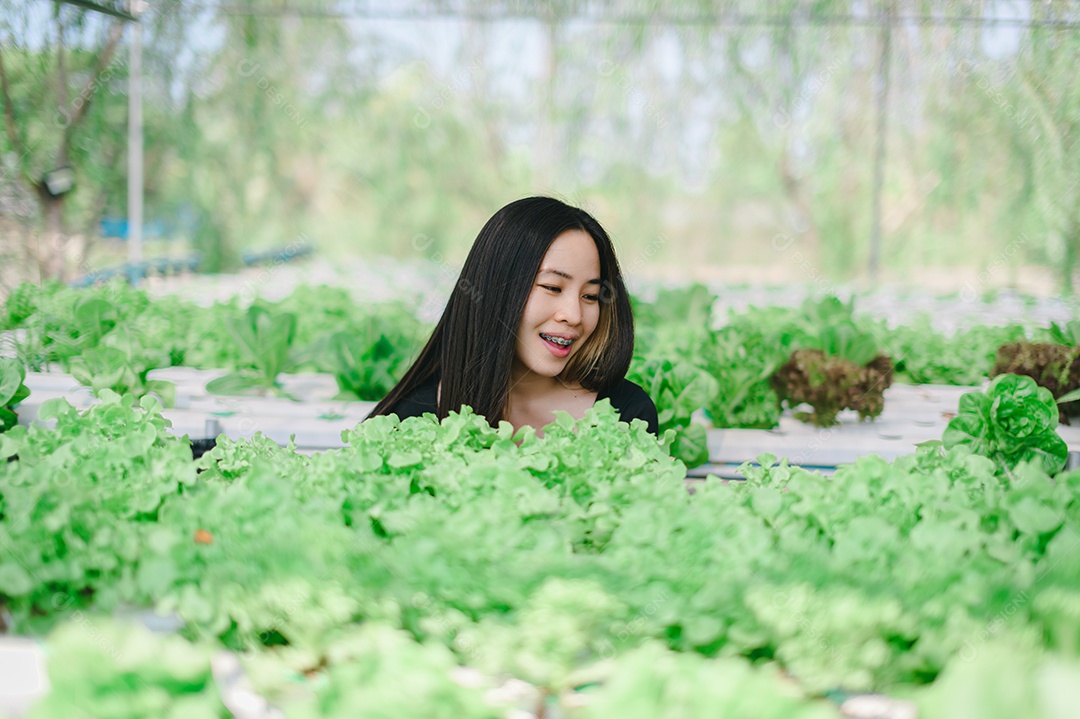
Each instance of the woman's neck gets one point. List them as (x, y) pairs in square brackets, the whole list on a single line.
[(527, 385), (534, 398)]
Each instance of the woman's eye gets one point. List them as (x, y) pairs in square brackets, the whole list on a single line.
[(550, 288), (592, 298)]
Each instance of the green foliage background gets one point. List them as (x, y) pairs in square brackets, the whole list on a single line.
[(702, 133)]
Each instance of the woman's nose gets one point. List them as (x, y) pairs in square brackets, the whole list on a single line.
[(569, 310)]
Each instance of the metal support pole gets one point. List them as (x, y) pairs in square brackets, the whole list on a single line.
[(881, 91), (135, 142)]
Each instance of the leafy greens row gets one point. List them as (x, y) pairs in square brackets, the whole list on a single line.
[(562, 561)]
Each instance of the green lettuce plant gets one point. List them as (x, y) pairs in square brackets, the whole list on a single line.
[(542, 558), (1067, 333), (265, 340), (69, 331), (679, 389), (742, 357), (12, 391), (1013, 421), (369, 352), (121, 363), (925, 355), (834, 364), (828, 325), (104, 668)]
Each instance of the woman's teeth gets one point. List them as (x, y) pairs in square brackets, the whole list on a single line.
[(557, 340)]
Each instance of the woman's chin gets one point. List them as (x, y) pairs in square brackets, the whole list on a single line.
[(550, 371)]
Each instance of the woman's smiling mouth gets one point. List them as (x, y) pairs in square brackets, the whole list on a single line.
[(558, 346), (561, 341)]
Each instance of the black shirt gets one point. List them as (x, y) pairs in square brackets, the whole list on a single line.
[(628, 399)]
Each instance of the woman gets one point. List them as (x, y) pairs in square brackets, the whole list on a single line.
[(539, 321)]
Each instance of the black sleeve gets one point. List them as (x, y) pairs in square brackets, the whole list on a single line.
[(632, 402), (421, 400)]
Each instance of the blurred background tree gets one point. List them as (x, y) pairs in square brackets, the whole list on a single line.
[(59, 104), (64, 88), (717, 140)]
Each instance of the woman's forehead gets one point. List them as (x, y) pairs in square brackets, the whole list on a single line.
[(572, 253)]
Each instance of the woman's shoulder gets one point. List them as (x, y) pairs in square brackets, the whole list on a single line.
[(625, 391), (421, 400), (632, 402)]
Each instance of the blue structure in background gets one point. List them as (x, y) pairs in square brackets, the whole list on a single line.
[(116, 228), (165, 266), (183, 224)]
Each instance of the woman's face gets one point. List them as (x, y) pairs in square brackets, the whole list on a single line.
[(563, 307)]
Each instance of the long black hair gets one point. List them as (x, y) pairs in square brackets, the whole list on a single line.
[(471, 351)]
